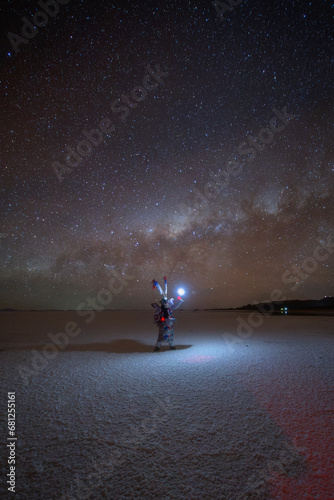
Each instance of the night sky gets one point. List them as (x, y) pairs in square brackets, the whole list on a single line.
[(219, 173)]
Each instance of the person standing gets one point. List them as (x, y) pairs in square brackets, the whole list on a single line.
[(164, 318)]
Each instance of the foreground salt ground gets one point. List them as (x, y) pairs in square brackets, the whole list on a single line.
[(221, 417)]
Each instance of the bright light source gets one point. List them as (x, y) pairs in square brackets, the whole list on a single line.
[(181, 291)]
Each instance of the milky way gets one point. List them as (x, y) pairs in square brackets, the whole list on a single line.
[(218, 173)]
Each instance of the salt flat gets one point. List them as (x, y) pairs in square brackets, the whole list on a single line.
[(226, 415)]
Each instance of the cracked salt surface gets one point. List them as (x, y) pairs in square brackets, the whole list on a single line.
[(217, 418)]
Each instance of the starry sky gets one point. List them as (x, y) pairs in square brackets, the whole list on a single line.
[(219, 174)]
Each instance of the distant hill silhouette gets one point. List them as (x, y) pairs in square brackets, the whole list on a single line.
[(292, 305)]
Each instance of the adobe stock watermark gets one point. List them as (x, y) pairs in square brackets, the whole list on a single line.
[(121, 107), (299, 273), (83, 488), (60, 340), (228, 6), (249, 148), (293, 277), (287, 459), (49, 8)]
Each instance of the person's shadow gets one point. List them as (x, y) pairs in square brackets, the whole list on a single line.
[(121, 346)]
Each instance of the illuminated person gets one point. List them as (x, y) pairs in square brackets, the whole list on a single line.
[(163, 317)]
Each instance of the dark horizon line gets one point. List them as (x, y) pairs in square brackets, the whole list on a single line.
[(278, 305)]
